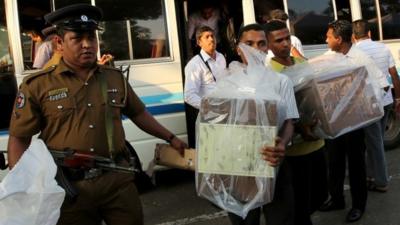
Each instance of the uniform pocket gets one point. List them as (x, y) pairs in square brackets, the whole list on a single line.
[(59, 108)]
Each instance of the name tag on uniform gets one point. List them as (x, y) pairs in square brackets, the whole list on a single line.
[(58, 94)]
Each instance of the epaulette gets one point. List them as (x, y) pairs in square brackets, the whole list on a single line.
[(107, 67), (30, 77)]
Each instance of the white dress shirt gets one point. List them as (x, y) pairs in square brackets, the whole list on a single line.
[(357, 56), (199, 80), (196, 21), (383, 59)]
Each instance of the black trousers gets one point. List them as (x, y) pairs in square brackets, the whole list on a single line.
[(278, 212), (352, 146), (310, 184), (191, 116)]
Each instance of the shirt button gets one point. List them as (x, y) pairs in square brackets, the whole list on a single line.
[(89, 104), (86, 83), (91, 149), (91, 126), (60, 107)]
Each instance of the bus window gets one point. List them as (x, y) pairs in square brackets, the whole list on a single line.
[(310, 19), (61, 3), (8, 83), (369, 13), (390, 15), (31, 24), (134, 29)]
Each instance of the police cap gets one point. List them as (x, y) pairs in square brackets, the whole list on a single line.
[(76, 17), (49, 31)]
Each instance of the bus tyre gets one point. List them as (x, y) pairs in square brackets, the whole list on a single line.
[(392, 132)]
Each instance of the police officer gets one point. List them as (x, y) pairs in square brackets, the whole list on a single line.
[(65, 104)]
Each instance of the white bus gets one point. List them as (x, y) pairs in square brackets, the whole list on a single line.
[(151, 37)]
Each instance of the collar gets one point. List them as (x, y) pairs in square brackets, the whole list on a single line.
[(278, 67), (206, 56), (363, 40), (62, 68)]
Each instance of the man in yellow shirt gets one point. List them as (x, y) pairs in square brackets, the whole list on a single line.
[(305, 156)]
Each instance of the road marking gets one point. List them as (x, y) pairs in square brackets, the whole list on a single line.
[(204, 217)]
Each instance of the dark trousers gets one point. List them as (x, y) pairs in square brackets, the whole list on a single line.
[(111, 197), (191, 116), (351, 145), (278, 212), (310, 184)]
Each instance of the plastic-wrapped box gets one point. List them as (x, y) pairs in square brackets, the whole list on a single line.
[(340, 95), (241, 116)]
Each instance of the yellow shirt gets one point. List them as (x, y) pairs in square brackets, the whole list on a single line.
[(299, 146)]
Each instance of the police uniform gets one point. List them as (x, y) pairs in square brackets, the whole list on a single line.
[(70, 113)]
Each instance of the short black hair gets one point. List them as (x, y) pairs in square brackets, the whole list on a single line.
[(341, 28), (201, 30), (274, 25), (360, 28), (253, 26)]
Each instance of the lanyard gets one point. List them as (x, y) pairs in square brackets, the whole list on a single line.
[(208, 66)]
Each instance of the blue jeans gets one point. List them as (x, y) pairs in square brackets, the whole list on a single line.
[(376, 161)]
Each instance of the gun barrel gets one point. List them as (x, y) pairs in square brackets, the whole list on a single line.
[(112, 166)]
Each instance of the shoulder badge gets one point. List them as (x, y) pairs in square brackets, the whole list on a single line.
[(39, 73), (20, 100)]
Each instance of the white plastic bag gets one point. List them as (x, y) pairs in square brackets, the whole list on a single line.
[(336, 93), (29, 194), (241, 115)]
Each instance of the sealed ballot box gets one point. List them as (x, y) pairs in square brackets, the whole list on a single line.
[(341, 101), (230, 170)]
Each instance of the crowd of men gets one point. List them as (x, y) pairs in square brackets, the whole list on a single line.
[(63, 103), (306, 181)]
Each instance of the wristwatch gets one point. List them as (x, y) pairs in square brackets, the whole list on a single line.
[(170, 138)]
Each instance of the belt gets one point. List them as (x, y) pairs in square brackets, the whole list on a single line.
[(83, 174)]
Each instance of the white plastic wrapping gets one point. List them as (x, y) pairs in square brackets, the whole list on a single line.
[(243, 114), (335, 94), (29, 194)]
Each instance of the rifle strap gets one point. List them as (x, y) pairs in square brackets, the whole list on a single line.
[(108, 115)]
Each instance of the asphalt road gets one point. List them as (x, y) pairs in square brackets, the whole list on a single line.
[(174, 201)]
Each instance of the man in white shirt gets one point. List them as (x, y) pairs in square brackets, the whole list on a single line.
[(350, 145), (201, 74), (376, 161)]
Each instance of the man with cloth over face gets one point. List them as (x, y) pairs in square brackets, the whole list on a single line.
[(65, 104)]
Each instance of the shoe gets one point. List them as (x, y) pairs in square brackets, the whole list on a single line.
[(354, 215), (331, 205), (381, 189)]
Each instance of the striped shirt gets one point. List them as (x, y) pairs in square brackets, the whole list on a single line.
[(382, 57)]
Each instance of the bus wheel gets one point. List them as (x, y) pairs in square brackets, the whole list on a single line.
[(392, 132)]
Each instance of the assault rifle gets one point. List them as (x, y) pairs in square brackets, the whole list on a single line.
[(76, 160)]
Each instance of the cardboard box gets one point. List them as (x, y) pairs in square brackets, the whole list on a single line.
[(347, 89), (243, 111), (167, 156), (234, 114)]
